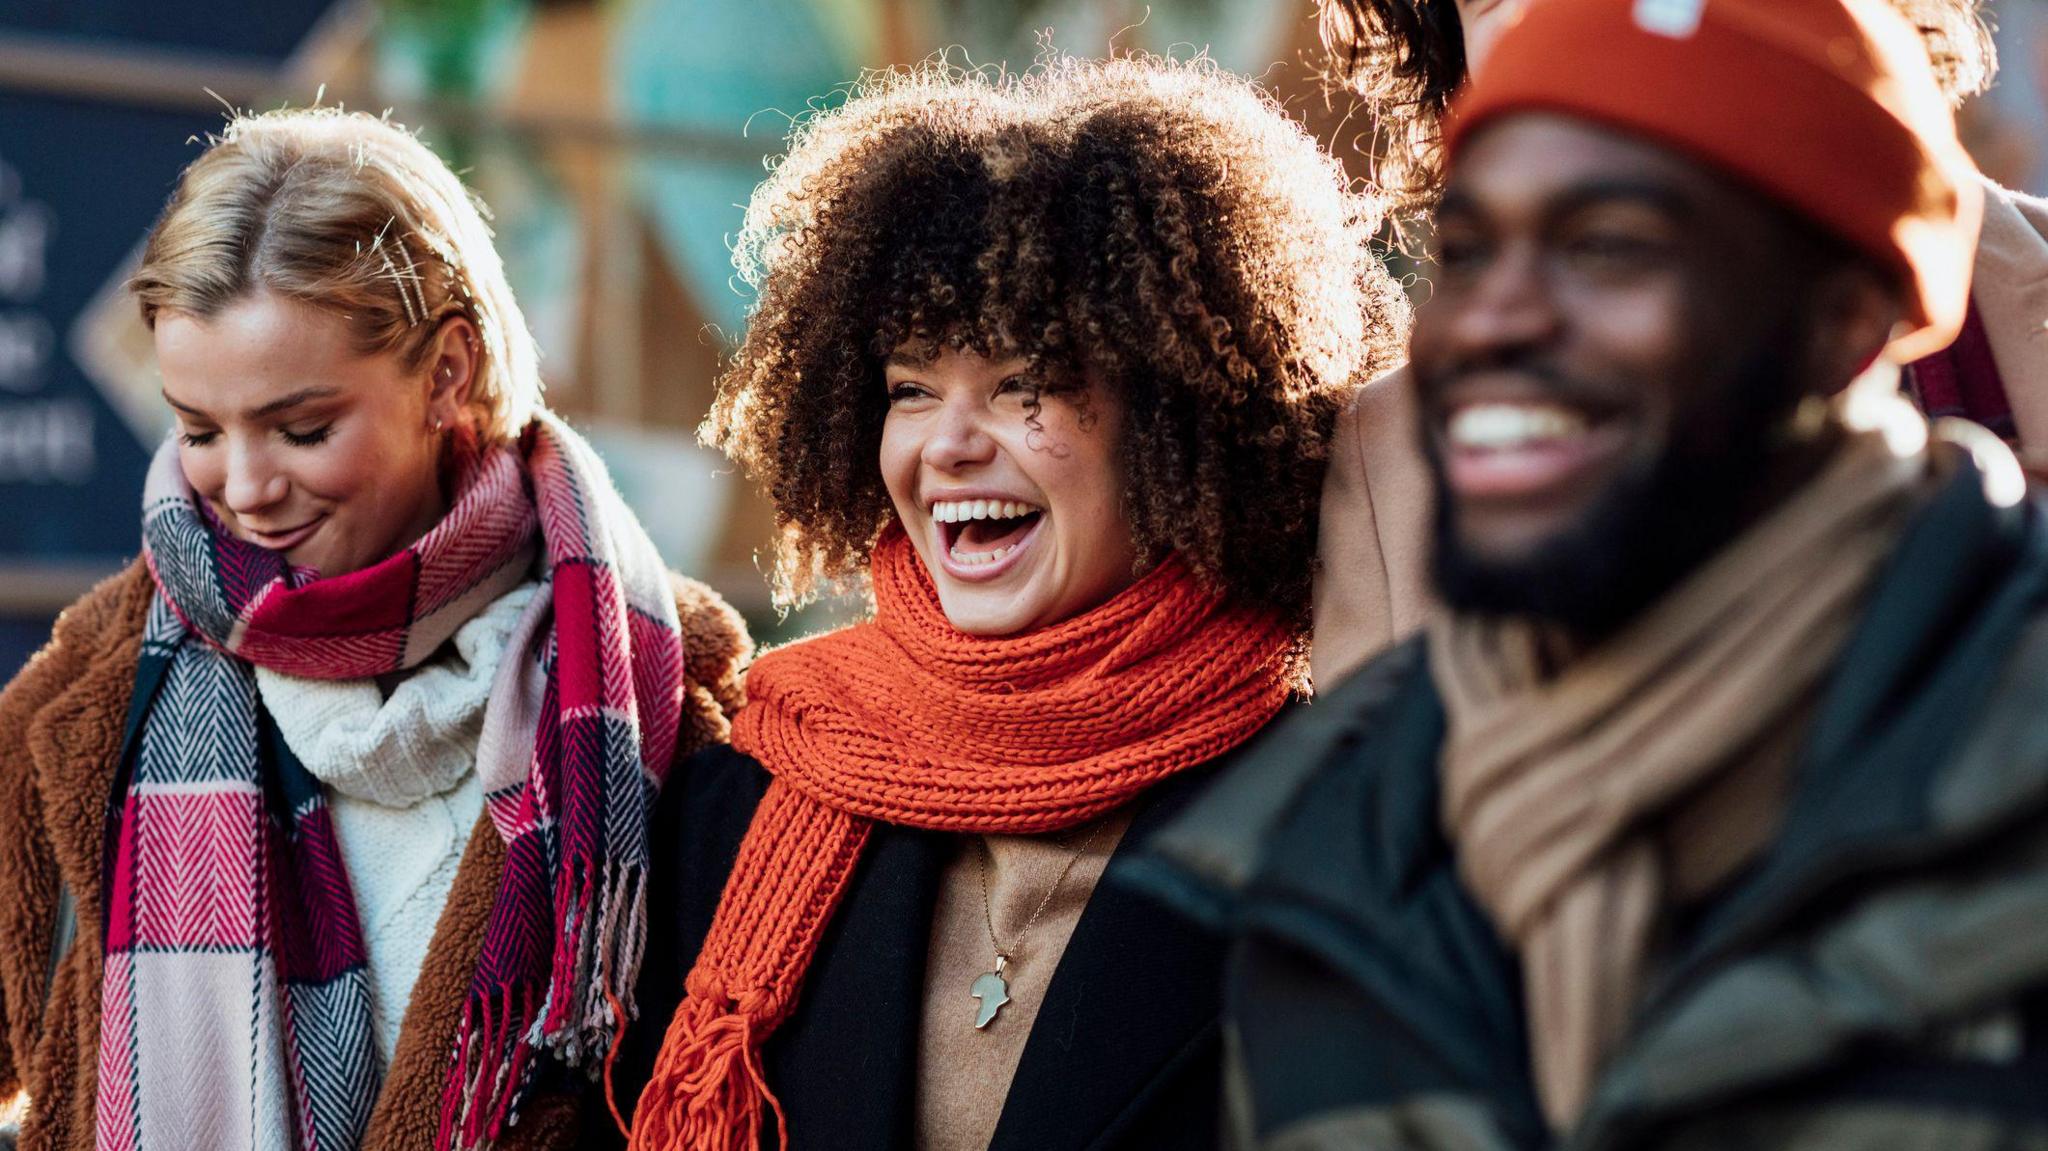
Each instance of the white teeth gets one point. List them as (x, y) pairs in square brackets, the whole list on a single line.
[(960, 511), (1500, 426), (977, 559)]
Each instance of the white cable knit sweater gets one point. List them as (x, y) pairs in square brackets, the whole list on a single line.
[(401, 781)]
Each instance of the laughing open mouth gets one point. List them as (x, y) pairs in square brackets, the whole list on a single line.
[(1523, 449), (980, 532)]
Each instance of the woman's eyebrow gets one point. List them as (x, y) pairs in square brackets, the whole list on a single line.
[(282, 403)]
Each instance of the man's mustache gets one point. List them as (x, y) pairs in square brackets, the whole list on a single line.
[(1554, 382)]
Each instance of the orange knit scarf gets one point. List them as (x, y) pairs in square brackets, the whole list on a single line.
[(907, 721)]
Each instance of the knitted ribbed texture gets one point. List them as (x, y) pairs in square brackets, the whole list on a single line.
[(1564, 789), (400, 777), (907, 720), (413, 744)]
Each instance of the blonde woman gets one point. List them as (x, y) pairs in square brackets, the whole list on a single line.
[(383, 595)]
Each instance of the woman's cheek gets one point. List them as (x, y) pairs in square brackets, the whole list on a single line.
[(202, 469), (338, 469), (898, 462)]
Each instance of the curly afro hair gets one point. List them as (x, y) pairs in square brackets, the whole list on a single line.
[(1152, 231), (1406, 57)]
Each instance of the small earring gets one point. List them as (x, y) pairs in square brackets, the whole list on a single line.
[(437, 426)]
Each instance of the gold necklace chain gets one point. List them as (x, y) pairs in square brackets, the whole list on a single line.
[(987, 856)]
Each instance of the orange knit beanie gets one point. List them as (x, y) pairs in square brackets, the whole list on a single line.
[(1827, 106)]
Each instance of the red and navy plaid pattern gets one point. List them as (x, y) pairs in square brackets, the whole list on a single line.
[(236, 1009), (235, 1002), (1962, 380)]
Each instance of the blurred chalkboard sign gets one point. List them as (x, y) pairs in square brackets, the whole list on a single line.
[(97, 116), (270, 29), (79, 184)]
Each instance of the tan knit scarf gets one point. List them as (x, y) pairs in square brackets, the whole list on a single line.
[(1562, 788)]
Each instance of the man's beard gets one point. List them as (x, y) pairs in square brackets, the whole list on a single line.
[(1653, 525)]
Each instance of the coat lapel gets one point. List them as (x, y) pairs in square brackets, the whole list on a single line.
[(848, 1054), (1136, 995)]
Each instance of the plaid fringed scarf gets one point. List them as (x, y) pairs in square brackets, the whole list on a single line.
[(236, 1005)]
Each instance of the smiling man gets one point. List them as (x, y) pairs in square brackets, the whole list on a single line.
[(1408, 58), (1710, 814)]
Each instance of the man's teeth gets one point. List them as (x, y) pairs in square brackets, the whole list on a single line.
[(960, 511), (976, 559), (1493, 427)]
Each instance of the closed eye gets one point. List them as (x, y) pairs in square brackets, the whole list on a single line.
[(306, 439)]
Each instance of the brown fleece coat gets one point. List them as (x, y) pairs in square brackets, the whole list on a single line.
[(61, 722)]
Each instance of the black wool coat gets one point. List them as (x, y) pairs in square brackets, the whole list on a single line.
[(1125, 1054)]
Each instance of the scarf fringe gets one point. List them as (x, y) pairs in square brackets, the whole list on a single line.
[(598, 963), (708, 1089), (491, 1062), (578, 1014)]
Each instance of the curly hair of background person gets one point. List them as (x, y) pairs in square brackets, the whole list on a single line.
[(1406, 57), (1159, 230)]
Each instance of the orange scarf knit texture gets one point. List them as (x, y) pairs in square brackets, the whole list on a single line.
[(906, 720)]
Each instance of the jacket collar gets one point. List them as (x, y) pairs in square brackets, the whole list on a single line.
[(1947, 611), (75, 740), (1358, 872), (2010, 289), (1360, 875)]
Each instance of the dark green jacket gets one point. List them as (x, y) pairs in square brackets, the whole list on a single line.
[(1879, 978)]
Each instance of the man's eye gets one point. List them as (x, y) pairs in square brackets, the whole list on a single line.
[(900, 392), (1612, 251), (1459, 254)]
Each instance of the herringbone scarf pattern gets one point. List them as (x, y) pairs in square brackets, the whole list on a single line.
[(236, 1004), (908, 721)]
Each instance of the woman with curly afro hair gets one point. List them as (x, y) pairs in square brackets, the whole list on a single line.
[(1406, 58), (1048, 361)]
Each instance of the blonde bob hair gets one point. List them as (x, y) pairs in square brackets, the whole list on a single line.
[(350, 214)]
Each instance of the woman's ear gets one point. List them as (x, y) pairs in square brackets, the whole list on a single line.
[(451, 366)]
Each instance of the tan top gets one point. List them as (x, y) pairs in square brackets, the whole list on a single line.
[(963, 1074)]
